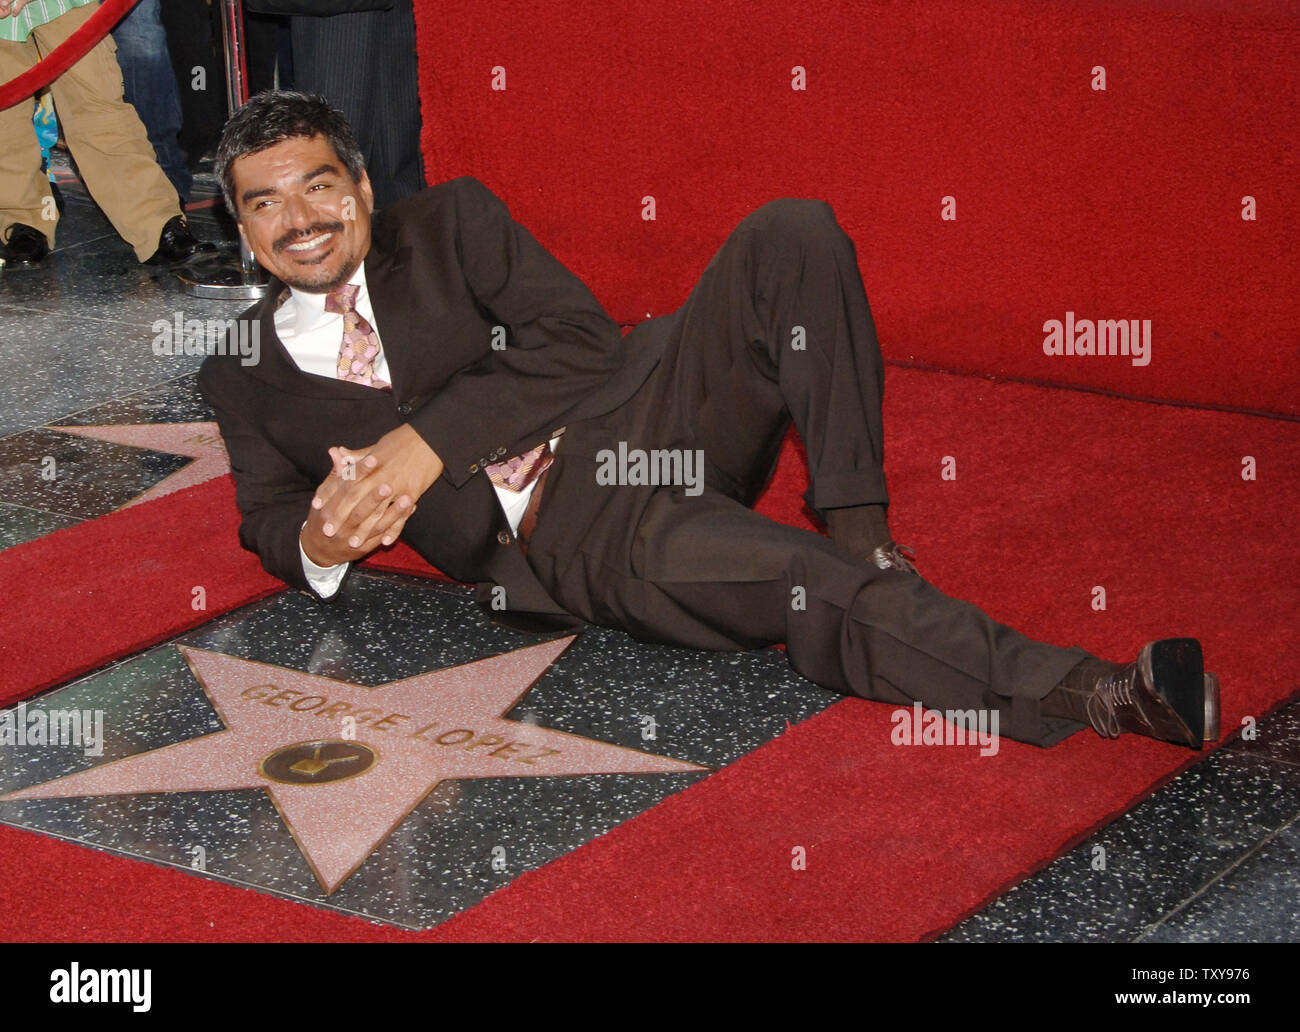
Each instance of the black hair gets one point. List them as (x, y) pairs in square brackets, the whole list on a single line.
[(278, 115)]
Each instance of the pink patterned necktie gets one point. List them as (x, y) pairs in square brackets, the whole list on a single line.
[(360, 345), (517, 473)]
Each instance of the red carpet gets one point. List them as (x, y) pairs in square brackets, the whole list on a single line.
[(1117, 204), (1056, 492), (84, 596)]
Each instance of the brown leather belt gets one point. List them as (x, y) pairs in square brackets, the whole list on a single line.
[(528, 522)]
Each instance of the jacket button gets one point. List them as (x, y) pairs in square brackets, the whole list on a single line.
[(403, 409), (473, 469), (504, 537)]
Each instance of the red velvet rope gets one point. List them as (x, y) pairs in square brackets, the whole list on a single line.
[(64, 56)]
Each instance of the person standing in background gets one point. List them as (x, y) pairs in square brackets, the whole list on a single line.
[(363, 61), (194, 37), (149, 86), (104, 134)]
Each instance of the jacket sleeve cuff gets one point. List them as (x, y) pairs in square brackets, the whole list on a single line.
[(459, 461)]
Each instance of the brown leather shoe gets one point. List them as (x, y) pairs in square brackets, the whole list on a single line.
[(1165, 694)]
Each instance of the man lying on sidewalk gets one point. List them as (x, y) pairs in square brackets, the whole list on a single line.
[(437, 375)]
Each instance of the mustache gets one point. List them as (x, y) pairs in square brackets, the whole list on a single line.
[(298, 235)]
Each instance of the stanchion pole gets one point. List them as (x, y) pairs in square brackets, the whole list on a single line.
[(222, 277)]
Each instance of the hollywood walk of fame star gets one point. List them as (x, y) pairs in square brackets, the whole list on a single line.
[(292, 734), (199, 441)]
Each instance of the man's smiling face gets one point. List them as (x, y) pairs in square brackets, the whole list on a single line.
[(307, 222)]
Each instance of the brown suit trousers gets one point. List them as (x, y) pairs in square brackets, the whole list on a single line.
[(777, 329)]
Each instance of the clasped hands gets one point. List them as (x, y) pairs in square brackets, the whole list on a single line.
[(368, 496)]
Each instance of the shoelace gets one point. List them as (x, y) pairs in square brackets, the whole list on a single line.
[(895, 557), (1113, 690)]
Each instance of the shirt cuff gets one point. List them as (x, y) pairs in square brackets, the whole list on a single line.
[(324, 580)]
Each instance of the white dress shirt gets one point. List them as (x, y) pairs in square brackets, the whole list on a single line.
[(312, 337)]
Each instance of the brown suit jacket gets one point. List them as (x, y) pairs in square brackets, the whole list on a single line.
[(445, 268)]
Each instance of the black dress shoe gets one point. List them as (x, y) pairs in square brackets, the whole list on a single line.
[(1164, 694), (24, 245), (177, 246)]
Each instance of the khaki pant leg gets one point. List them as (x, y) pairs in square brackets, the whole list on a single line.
[(24, 191), (107, 139)]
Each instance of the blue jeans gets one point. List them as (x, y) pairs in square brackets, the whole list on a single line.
[(149, 85)]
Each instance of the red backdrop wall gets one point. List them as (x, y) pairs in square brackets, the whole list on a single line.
[(1122, 203)]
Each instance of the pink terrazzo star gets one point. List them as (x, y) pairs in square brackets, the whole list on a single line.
[(345, 764), (199, 441)]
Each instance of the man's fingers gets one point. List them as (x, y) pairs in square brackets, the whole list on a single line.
[(381, 536), (383, 526), (369, 483), (345, 466), (387, 535), (354, 489), (384, 514), (365, 530), (389, 527), (338, 476), (353, 465), (357, 496), (363, 516), (349, 510), (381, 520), (395, 531)]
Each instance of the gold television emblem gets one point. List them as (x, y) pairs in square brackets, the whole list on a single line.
[(317, 763)]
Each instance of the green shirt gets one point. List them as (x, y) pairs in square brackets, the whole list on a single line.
[(17, 27)]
